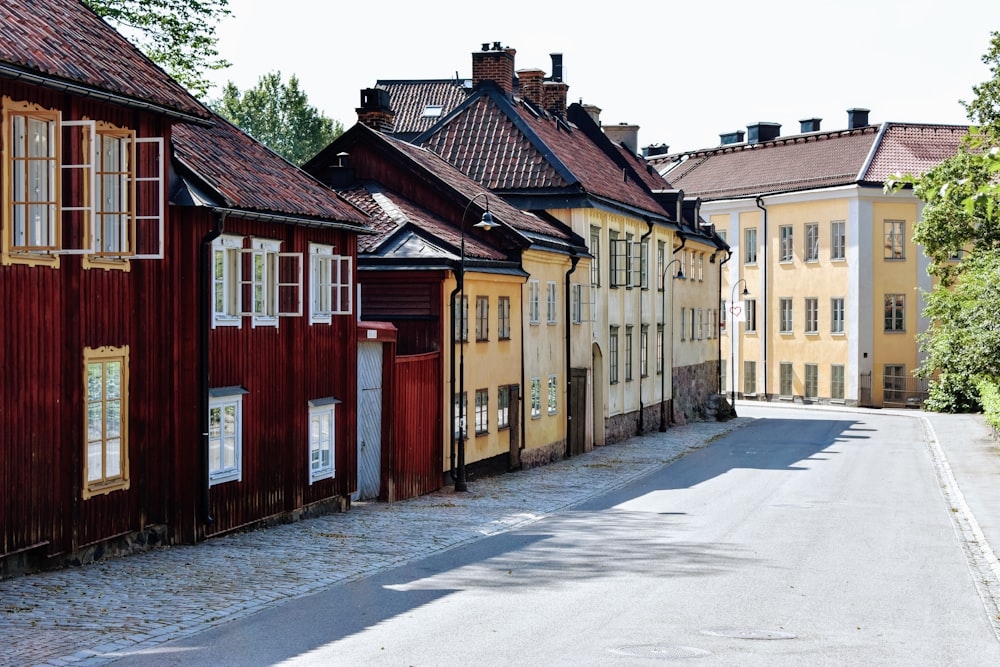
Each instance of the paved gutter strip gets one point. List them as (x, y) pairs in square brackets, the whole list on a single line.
[(91, 615)]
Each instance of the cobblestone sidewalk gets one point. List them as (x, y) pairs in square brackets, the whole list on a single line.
[(95, 614)]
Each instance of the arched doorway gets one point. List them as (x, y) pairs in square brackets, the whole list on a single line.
[(598, 396)]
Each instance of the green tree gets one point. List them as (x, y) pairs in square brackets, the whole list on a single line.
[(178, 35), (279, 116), (960, 232)]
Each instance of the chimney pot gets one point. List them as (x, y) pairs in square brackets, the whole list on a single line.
[(557, 66), (857, 118), (810, 124), (763, 131)]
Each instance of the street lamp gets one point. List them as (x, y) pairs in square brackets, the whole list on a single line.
[(486, 223), (732, 338), (670, 338)]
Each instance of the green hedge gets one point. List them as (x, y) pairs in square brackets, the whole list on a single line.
[(989, 396)]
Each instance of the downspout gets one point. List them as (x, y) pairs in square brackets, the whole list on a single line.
[(205, 310), (575, 259), (649, 230), (459, 279), (670, 367), (722, 388), (763, 291)]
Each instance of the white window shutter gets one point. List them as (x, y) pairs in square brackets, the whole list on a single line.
[(148, 214), (81, 178)]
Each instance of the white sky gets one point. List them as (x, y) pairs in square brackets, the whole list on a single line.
[(684, 72)]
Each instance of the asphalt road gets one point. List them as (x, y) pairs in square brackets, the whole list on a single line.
[(805, 538)]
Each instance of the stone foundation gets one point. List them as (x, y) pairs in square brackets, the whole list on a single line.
[(540, 456)]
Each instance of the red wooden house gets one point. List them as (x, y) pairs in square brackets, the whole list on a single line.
[(276, 363), (105, 398)]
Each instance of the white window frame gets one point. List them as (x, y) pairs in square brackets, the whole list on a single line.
[(552, 302), (838, 240), (750, 319), (553, 392), (812, 242), (536, 398), (269, 313), (786, 245), (837, 315), (786, 379), (503, 318), (231, 248), (482, 411), (810, 382), (219, 401), (320, 442), (837, 382), (785, 315), (482, 319), (533, 307), (812, 315), (750, 245), (895, 311), (331, 287), (621, 260)]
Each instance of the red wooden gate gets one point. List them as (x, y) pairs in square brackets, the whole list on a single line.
[(417, 455)]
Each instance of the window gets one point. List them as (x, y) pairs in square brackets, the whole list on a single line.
[(533, 302), (552, 305), (895, 312), (750, 245), (838, 240), (482, 411), (225, 435), (461, 319), (812, 315), (613, 355), (723, 316), (536, 398), (643, 248), (812, 242), (750, 323), (837, 382), (90, 175), (330, 284), (644, 350), (894, 383), (893, 230), (661, 264), (553, 394), (749, 378), (503, 406), (577, 303), (461, 407), (812, 381), (722, 375), (226, 254), (33, 165), (271, 284), (683, 323), (785, 315), (787, 379), (628, 353), (659, 349), (692, 323), (432, 110), (321, 438), (787, 251), (837, 315), (482, 318), (701, 266), (595, 250), (621, 255), (105, 420), (503, 318)]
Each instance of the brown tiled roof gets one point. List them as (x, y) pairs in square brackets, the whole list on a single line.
[(801, 162), (65, 42), (409, 98), (911, 148), (253, 177), (469, 188), (511, 146), (816, 160), (391, 212)]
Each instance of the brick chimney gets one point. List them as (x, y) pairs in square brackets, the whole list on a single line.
[(554, 97), (530, 85), (375, 111), (494, 63)]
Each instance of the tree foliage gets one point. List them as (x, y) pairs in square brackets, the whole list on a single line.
[(960, 232), (279, 116), (178, 35)]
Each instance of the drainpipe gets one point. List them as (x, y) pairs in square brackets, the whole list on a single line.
[(460, 278), (204, 327), (569, 359), (718, 338), (763, 291), (642, 238)]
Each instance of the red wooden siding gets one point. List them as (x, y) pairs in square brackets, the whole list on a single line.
[(417, 437)]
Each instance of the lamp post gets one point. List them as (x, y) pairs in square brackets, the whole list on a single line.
[(732, 338), (670, 338), (458, 442)]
